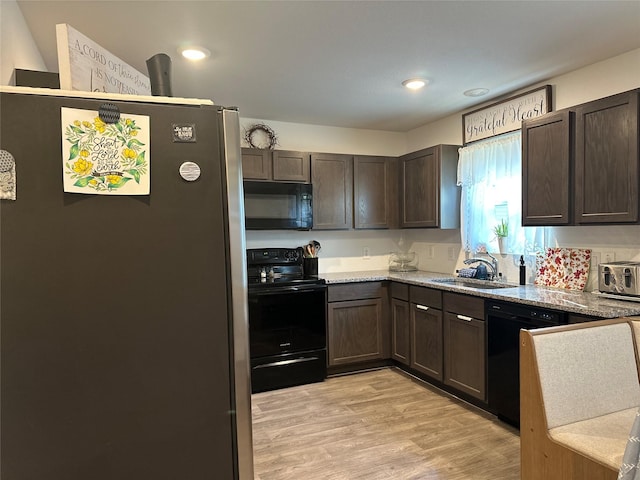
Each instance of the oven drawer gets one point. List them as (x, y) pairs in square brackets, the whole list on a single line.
[(269, 373)]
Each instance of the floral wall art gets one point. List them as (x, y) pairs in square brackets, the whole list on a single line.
[(105, 158)]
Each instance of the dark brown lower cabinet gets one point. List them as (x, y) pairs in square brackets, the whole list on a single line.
[(400, 331), (464, 354), (465, 350), (354, 331), (426, 340), (357, 323)]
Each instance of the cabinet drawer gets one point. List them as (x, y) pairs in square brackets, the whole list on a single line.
[(464, 305), (351, 291), (400, 291), (429, 297)]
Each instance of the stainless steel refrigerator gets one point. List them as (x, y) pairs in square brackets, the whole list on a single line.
[(123, 322)]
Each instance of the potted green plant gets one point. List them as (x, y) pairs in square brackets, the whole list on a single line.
[(501, 231)]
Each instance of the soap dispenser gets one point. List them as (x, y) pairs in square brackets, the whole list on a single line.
[(523, 271)]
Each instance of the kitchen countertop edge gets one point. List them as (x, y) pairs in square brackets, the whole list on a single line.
[(583, 303)]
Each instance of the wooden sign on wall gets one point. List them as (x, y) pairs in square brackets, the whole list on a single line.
[(84, 65), (505, 116)]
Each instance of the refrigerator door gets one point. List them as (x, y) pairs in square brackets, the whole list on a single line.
[(238, 280), (115, 313)]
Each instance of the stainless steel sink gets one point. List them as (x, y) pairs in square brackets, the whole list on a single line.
[(468, 282)]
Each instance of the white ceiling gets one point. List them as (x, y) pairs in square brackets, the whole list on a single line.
[(342, 63)]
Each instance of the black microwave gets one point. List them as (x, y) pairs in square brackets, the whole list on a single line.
[(277, 206)]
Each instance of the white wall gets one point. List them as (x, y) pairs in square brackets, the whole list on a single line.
[(317, 138), (17, 48), (611, 76)]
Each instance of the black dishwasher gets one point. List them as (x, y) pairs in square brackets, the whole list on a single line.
[(504, 322)]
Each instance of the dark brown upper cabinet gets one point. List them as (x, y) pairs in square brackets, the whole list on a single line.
[(332, 180), (580, 166), (606, 160), (429, 196), (275, 165), (375, 192), (547, 163)]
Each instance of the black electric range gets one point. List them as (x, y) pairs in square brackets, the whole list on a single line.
[(287, 320)]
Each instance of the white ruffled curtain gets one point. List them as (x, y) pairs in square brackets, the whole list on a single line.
[(490, 174)]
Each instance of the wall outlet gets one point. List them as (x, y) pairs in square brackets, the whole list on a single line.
[(608, 257), (595, 260), (452, 253), (365, 253), (430, 252)]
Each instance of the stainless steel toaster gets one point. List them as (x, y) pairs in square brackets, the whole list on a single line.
[(619, 277)]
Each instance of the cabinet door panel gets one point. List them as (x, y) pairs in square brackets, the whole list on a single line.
[(400, 331), (546, 170), (607, 160), (332, 178), (374, 192), (426, 345), (355, 331), (421, 189), (464, 354), (256, 164), (291, 166)]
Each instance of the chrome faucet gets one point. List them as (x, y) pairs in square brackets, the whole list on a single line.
[(493, 264)]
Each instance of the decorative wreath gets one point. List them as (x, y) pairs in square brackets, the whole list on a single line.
[(261, 136)]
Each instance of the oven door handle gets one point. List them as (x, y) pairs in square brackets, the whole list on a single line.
[(289, 289), (286, 362)]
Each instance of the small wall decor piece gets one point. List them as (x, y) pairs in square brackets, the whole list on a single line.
[(260, 136), (105, 158), (85, 65), (7, 176), (506, 115)]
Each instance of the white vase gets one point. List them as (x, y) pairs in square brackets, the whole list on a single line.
[(501, 245)]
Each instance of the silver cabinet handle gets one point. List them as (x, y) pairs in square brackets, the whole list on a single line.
[(465, 318), (421, 307)]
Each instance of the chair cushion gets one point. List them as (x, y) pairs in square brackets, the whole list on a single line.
[(602, 438), (587, 373)]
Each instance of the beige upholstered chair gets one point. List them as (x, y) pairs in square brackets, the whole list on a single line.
[(579, 394)]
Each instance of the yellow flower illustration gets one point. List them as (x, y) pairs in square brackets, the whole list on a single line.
[(129, 153), (113, 179), (93, 182), (86, 124), (128, 121), (134, 133), (84, 153), (99, 124), (77, 123), (82, 167)]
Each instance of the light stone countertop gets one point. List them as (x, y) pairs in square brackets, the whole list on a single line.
[(565, 300)]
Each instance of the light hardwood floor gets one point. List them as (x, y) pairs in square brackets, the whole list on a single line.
[(378, 425)]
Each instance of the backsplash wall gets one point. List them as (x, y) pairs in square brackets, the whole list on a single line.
[(622, 242), (441, 251)]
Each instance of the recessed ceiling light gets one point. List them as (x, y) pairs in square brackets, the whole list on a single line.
[(476, 92), (414, 83), (194, 52)]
